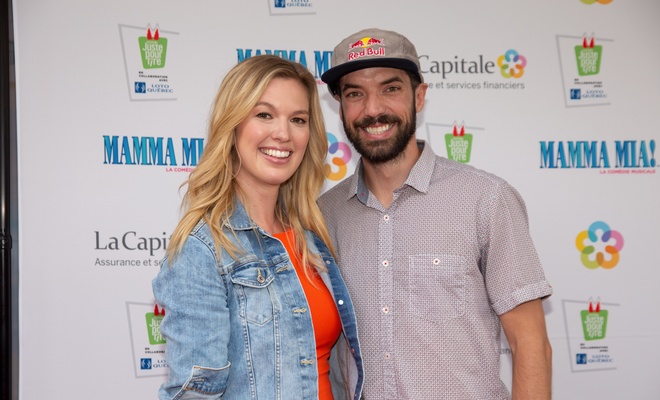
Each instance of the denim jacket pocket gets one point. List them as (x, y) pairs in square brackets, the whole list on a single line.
[(253, 287), (204, 384), (437, 286)]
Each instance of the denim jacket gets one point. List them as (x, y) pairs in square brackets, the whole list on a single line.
[(242, 329)]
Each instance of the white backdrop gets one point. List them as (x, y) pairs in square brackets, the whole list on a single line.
[(107, 134)]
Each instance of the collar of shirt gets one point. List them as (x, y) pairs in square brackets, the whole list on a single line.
[(239, 219), (419, 177)]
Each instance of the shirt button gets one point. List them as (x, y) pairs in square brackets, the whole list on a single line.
[(386, 217), (386, 310), (386, 263), (436, 261), (387, 356)]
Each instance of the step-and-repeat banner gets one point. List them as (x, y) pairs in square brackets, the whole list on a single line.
[(561, 98)]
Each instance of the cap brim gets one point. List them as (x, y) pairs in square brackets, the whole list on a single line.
[(332, 75)]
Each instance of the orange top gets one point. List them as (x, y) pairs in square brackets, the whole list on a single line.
[(325, 318)]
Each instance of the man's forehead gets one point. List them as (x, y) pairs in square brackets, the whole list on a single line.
[(377, 75)]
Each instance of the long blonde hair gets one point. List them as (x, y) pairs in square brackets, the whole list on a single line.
[(212, 187)]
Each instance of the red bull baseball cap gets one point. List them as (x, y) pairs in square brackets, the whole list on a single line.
[(372, 48)]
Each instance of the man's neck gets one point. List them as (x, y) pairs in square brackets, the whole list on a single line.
[(383, 179)]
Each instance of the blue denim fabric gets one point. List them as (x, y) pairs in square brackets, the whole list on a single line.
[(242, 329)]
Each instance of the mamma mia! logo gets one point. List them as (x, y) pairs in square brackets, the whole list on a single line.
[(153, 150), (321, 58), (626, 156)]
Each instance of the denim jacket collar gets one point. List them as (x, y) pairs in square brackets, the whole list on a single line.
[(239, 220)]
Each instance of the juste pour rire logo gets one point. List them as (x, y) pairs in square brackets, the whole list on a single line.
[(153, 320), (148, 61), (596, 1), (588, 56), (459, 144), (599, 246), (594, 321), (153, 49)]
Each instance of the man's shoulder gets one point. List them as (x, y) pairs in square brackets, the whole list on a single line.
[(467, 172), (335, 195)]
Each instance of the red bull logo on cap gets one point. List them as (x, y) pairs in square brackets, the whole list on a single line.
[(365, 42), (364, 45)]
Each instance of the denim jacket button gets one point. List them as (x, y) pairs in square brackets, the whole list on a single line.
[(340, 302)]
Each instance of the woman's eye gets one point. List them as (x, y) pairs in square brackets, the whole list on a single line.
[(263, 115), (300, 121)]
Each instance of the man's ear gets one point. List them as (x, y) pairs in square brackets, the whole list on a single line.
[(420, 96)]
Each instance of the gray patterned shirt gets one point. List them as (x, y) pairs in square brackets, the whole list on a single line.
[(430, 274)]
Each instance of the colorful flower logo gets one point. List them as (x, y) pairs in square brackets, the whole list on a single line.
[(512, 64), (607, 259), (340, 162)]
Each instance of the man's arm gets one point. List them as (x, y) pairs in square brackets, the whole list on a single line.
[(525, 330)]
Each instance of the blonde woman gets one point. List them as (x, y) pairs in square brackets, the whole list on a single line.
[(255, 307)]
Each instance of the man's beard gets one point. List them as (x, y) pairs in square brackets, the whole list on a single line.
[(382, 151)]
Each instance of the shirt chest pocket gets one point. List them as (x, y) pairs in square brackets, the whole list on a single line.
[(255, 292), (437, 286)]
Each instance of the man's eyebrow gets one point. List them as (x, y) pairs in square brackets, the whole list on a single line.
[(392, 80)]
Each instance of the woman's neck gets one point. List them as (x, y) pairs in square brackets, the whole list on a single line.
[(260, 205)]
